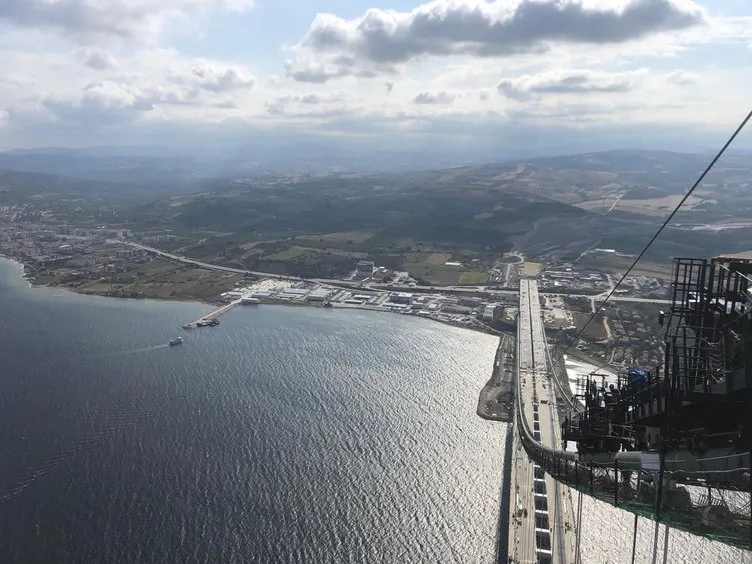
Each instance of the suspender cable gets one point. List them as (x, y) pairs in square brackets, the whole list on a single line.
[(665, 546), (655, 543), (634, 538), (579, 529)]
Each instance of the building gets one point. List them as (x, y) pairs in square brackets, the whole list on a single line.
[(365, 269), (319, 295), (381, 273), (456, 309), (470, 301), (400, 298), (492, 312), (294, 294)]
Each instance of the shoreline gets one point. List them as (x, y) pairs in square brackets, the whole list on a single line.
[(28, 278), (496, 398)]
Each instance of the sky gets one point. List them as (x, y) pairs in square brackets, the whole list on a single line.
[(389, 73)]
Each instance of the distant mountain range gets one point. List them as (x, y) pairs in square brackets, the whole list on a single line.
[(551, 206), (193, 163)]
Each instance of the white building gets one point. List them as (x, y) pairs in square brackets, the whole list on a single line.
[(319, 295)]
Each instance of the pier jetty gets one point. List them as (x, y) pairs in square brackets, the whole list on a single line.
[(211, 319)]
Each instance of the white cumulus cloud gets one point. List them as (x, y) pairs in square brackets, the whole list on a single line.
[(439, 98), (124, 18), (572, 81), (380, 39)]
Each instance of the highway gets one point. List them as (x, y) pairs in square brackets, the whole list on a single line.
[(541, 516), (206, 265), (372, 287)]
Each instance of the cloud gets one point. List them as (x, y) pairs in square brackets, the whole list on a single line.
[(101, 104), (682, 78), (441, 98), (214, 78), (311, 69), (170, 82), (381, 39), (568, 82), (123, 18), (97, 59), (317, 104)]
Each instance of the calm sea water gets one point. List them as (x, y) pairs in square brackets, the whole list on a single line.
[(283, 435)]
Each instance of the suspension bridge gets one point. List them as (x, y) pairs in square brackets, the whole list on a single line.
[(671, 444)]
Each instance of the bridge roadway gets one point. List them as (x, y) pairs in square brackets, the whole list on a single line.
[(541, 512)]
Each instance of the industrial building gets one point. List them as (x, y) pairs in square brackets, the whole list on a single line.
[(365, 269), (319, 295), (400, 298), (492, 312)]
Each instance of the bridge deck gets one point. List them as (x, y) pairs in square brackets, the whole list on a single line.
[(541, 517)]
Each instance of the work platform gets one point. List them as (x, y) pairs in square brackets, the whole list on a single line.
[(672, 444)]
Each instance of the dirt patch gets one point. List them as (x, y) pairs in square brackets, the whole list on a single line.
[(436, 274), (596, 331), (438, 258), (651, 207), (531, 268), (615, 264), (345, 237)]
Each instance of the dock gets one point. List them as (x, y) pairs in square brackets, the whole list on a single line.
[(211, 318)]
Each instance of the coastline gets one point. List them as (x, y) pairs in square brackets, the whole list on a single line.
[(21, 266), (29, 279), (496, 398)]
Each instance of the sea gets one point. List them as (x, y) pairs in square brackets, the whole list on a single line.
[(284, 435)]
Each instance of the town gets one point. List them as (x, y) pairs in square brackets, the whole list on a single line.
[(120, 263)]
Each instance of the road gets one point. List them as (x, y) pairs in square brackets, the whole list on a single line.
[(544, 510), (207, 265), (371, 287)]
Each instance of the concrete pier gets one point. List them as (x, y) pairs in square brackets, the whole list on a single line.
[(210, 317)]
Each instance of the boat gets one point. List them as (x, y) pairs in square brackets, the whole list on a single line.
[(176, 341)]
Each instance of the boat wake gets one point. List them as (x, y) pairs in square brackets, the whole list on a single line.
[(129, 351), (49, 463), (118, 413)]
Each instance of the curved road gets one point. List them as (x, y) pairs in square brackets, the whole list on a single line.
[(207, 265), (438, 289)]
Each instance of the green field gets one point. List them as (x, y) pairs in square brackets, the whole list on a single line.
[(287, 254), (474, 278)]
